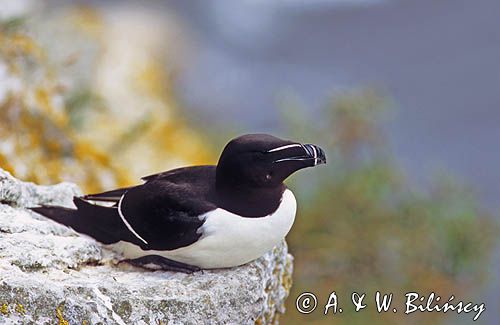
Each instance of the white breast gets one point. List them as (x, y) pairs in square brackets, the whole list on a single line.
[(227, 239)]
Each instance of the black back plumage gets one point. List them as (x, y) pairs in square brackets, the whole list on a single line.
[(165, 210)]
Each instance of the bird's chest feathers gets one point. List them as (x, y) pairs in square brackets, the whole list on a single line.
[(223, 228), (228, 239)]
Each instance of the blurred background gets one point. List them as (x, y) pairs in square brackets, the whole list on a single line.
[(403, 94)]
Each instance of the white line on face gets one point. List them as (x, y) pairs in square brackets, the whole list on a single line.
[(285, 147), (126, 222)]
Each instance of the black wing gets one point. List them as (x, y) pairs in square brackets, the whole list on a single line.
[(164, 215)]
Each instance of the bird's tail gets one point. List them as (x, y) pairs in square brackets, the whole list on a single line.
[(61, 215), (102, 223)]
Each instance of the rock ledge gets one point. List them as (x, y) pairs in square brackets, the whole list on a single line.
[(50, 274)]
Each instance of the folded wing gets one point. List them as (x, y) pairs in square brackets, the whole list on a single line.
[(158, 215), (162, 214)]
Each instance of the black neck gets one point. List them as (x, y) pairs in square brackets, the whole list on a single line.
[(247, 201)]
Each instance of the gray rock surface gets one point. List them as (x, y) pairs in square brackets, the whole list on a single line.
[(50, 274)]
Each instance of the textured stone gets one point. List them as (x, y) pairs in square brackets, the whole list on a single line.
[(50, 274)]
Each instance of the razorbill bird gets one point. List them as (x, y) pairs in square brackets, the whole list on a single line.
[(199, 217)]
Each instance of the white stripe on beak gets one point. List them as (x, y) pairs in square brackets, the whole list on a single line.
[(315, 154)]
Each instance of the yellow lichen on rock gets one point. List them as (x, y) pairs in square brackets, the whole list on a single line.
[(60, 317), (20, 309), (101, 117), (4, 309)]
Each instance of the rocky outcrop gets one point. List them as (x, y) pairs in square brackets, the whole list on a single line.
[(50, 274)]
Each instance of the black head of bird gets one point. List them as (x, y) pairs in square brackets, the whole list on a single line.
[(264, 161)]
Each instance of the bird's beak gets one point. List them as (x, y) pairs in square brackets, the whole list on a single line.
[(303, 152), (315, 153)]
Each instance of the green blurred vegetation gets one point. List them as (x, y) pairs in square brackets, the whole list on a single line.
[(361, 227)]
